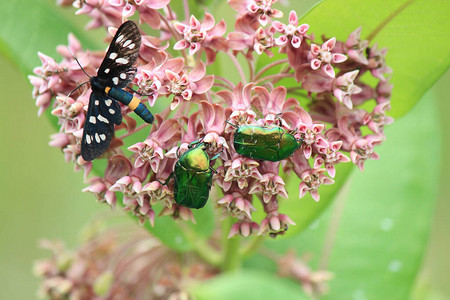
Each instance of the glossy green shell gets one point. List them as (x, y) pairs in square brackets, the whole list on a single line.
[(264, 143), (193, 178)]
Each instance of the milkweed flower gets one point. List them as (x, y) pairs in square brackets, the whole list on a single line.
[(331, 96)]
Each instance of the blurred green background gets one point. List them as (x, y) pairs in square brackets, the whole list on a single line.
[(42, 198)]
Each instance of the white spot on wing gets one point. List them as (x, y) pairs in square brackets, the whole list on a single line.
[(115, 80), (103, 119), (103, 137), (113, 55), (119, 38), (88, 139), (96, 102), (123, 75), (107, 70), (97, 138), (108, 102), (127, 43), (111, 111), (131, 46), (122, 60), (92, 120)]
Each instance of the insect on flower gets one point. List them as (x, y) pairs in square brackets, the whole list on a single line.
[(114, 74), (193, 176), (265, 143)]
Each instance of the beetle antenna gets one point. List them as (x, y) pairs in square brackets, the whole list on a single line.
[(78, 63)]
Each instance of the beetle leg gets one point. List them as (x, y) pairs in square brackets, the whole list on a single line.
[(235, 126), (213, 170), (167, 180)]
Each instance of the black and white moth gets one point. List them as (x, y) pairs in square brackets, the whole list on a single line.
[(115, 73)]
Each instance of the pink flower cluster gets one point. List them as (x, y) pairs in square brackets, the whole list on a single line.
[(327, 107)]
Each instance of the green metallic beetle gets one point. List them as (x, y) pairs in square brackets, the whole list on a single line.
[(265, 143), (193, 176)]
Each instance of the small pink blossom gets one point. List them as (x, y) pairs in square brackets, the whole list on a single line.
[(345, 88), (237, 205), (275, 223), (357, 48), (243, 228), (377, 62), (240, 170), (309, 131), (187, 86), (291, 32), (362, 150), (151, 150), (269, 185), (260, 9), (329, 156), (197, 35), (311, 181), (322, 57)]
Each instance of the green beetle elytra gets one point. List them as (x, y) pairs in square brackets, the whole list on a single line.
[(265, 143), (193, 177)]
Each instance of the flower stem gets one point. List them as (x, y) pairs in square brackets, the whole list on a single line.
[(271, 65), (253, 245), (238, 67), (186, 10), (273, 77), (225, 80), (201, 247), (231, 259), (175, 35)]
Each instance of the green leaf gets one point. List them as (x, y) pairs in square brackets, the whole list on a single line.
[(305, 210), (29, 26), (247, 285), (374, 236), (386, 218), (415, 32)]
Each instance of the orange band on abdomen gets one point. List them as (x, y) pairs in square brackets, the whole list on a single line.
[(134, 103)]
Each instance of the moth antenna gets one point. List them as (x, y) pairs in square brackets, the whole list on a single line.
[(75, 89), (79, 65)]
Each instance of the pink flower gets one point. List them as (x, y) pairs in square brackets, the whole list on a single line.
[(239, 102), (329, 156), (151, 150), (213, 121), (187, 86), (322, 57), (260, 9), (118, 166), (204, 35), (311, 181), (309, 131), (237, 205), (362, 150), (377, 63), (291, 32), (378, 118), (345, 88), (241, 170), (270, 185), (357, 48), (244, 228), (272, 104), (152, 76), (275, 224)]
